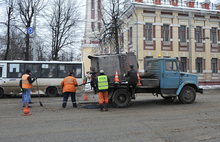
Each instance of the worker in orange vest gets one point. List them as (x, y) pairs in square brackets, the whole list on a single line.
[(26, 87), (68, 85)]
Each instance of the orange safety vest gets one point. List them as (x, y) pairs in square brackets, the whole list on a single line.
[(25, 83), (69, 84)]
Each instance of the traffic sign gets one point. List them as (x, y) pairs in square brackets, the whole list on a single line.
[(30, 30)]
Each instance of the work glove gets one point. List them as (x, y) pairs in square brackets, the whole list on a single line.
[(22, 90)]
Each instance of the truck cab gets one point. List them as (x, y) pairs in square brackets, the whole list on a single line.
[(171, 80)]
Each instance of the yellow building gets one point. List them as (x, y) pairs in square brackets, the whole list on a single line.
[(163, 28)]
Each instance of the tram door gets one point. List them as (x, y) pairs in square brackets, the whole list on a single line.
[(2, 72)]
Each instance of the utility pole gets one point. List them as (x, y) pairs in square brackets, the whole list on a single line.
[(34, 50), (190, 45)]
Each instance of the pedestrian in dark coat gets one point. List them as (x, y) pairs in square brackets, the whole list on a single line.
[(133, 80)]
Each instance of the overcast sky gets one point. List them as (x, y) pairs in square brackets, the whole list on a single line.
[(40, 23)]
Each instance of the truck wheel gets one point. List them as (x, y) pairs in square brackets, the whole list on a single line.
[(1, 93), (187, 95), (52, 91), (121, 98)]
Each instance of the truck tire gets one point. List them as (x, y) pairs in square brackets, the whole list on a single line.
[(121, 98), (187, 95), (52, 92), (1, 93)]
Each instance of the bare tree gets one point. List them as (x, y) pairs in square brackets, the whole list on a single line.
[(9, 8), (17, 45), (112, 23), (26, 10), (63, 22)]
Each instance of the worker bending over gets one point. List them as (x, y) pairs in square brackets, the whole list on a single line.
[(68, 85)]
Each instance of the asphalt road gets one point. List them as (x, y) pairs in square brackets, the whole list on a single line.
[(147, 119)]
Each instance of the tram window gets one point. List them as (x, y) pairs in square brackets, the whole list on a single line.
[(69, 68), (77, 71), (61, 71), (28, 67), (15, 70), (49, 70), (36, 70)]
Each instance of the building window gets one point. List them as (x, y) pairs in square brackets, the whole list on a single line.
[(148, 57), (166, 33), (99, 26), (183, 64), (182, 33), (199, 34), (199, 67), (166, 56), (214, 65), (92, 4), (99, 9), (148, 31), (93, 26), (130, 35), (99, 4), (122, 42), (214, 35)]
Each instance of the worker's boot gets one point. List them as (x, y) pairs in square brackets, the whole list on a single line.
[(106, 107), (64, 105), (74, 104), (133, 94), (101, 108)]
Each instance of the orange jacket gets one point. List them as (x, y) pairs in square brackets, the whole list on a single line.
[(69, 84), (25, 83)]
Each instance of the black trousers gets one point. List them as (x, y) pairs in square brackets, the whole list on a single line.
[(132, 89), (66, 96)]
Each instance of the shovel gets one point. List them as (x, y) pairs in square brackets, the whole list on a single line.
[(39, 94)]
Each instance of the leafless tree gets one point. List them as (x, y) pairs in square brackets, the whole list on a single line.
[(26, 11), (16, 45), (112, 23), (10, 4), (63, 20)]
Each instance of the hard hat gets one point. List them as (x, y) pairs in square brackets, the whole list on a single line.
[(101, 71)]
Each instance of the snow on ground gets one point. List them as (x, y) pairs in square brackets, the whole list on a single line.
[(210, 86)]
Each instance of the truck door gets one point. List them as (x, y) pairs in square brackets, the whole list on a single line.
[(171, 75)]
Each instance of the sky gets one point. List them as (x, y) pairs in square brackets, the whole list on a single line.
[(80, 30)]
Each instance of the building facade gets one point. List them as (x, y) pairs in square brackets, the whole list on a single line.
[(183, 29), (175, 28), (93, 26)]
